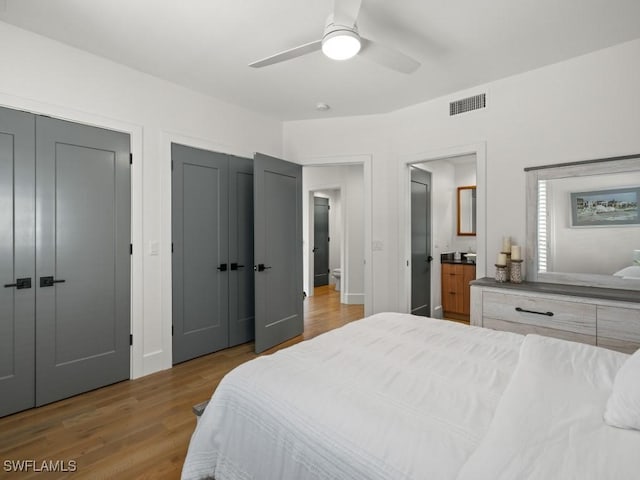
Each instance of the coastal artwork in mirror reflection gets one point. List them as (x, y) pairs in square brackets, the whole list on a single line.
[(605, 207), (588, 224)]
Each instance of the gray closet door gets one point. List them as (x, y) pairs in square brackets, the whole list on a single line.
[(278, 250), (200, 222), (420, 242), (82, 258), (320, 241), (17, 302), (241, 275)]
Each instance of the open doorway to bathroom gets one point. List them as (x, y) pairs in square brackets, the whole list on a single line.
[(334, 227), (443, 257)]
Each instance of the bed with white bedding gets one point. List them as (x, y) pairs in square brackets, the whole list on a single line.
[(395, 396)]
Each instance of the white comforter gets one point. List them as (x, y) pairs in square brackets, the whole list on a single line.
[(549, 422), (392, 396)]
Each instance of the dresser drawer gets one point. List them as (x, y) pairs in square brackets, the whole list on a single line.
[(542, 312), (619, 328)]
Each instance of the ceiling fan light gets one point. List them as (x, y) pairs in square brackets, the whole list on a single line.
[(341, 44)]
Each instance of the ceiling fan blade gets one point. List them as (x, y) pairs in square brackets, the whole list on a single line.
[(288, 54), (388, 57), (345, 12)]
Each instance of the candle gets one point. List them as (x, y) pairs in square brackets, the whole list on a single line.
[(515, 252), (506, 244), (502, 259)]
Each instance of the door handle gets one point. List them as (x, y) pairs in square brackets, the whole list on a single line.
[(235, 266), (261, 267), (522, 310), (223, 267), (429, 259), (49, 281), (315, 249), (20, 283)]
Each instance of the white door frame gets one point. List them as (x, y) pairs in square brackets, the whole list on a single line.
[(366, 161), (479, 149)]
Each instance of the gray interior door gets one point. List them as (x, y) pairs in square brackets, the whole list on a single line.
[(420, 242), (83, 226), (200, 212), (320, 241), (278, 250), (17, 295), (241, 274)]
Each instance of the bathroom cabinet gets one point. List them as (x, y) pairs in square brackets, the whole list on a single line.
[(456, 276)]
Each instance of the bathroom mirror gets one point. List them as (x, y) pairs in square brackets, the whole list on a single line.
[(467, 211), (583, 223)]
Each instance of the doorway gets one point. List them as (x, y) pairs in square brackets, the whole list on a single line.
[(466, 160), (344, 186), (320, 241)]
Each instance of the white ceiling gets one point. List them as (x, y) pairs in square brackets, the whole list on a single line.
[(206, 44)]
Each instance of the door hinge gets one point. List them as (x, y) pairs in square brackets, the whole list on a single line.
[(171, 247), (172, 165), (130, 339), (328, 239), (172, 330), (131, 249), (131, 159), (328, 207)]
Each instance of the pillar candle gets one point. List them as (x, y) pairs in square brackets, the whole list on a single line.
[(506, 244), (515, 252), (502, 259)]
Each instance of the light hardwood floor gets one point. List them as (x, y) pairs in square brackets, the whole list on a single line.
[(141, 428)]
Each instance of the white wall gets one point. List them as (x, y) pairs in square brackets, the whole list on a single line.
[(47, 77), (349, 180), (584, 108)]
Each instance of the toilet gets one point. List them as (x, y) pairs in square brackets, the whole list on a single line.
[(336, 273)]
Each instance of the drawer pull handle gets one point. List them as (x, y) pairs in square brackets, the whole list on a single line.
[(548, 314)]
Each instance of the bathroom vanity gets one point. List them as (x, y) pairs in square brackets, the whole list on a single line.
[(457, 272)]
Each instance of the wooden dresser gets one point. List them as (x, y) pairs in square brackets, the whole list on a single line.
[(456, 297), (605, 317)]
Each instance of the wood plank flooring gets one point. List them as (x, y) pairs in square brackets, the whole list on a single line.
[(140, 428)]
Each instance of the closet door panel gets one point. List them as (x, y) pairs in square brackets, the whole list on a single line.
[(83, 259), (278, 250), (200, 252), (17, 306), (241, 277)]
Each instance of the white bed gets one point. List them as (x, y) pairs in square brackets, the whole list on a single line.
[(395, 396)]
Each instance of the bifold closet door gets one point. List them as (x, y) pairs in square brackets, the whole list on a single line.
[(17, 244), (82, 280), (200, 210)]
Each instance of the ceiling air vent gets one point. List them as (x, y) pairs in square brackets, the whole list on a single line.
[(468, 104)]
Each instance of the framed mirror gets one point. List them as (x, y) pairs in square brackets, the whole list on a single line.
[(583, 223), (467, 211)]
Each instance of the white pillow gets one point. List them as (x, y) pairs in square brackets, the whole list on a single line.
[(629, 272), (623, 406)]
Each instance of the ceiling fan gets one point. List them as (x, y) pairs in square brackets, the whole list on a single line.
[(341, 41)]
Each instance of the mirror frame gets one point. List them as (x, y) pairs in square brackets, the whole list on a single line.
[(460, 233), (621, 164)]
